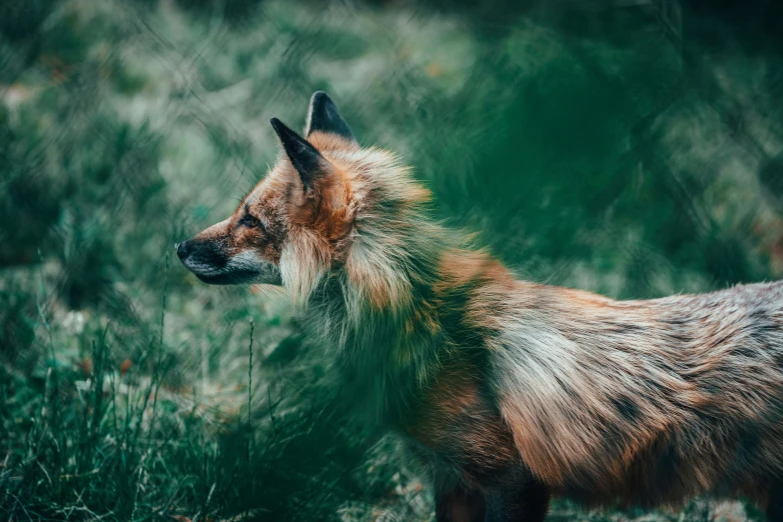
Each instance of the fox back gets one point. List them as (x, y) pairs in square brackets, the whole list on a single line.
[(511, 390)]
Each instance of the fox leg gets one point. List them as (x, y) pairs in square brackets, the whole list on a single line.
[(459, 503), (518, 497), (775, 505)]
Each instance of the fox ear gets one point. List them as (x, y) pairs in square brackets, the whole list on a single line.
[(305, 158), (323, 116)]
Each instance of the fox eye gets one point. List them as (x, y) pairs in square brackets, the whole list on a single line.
[(250, 221)]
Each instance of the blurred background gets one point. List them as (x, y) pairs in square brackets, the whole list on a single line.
[(628, 147)]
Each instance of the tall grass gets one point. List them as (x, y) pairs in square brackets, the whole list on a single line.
[(630, 151)]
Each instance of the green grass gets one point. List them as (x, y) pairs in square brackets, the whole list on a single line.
[(91, 438), (587, 148)]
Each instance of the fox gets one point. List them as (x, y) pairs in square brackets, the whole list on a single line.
[(510, 392)]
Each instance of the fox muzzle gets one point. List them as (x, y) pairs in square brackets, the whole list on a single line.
[(210, 262)]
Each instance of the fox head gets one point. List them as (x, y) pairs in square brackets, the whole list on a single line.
[(322, 208)]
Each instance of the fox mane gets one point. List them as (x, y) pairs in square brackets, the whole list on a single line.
[(389, 231), (373, 297)]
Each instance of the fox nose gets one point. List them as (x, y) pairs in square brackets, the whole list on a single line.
[(183, 250)]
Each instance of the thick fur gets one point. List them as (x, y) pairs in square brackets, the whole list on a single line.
[(512, 390)]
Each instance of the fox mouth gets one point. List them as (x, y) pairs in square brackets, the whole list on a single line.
[(237, 277)]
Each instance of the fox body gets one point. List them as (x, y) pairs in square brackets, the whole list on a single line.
[(512, 391)]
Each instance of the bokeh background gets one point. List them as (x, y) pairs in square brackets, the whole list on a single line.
[(628, 147)]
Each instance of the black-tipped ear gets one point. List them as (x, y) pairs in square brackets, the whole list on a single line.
[(323, 116), (305, 158)]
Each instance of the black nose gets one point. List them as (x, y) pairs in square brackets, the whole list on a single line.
[(183, 250)]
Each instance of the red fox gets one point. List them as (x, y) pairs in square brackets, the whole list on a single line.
[(511, 391)]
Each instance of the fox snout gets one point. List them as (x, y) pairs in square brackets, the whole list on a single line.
[(214, 264), (201, 255)]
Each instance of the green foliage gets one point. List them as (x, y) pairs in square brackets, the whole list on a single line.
[(628, 150)]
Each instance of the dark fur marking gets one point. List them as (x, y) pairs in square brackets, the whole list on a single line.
[(305, 158), (325, 118), (775, 503), (745, 351), (206, 252), (517, 496), (762, 326), (460, 505), (626, 328), (627, 408)]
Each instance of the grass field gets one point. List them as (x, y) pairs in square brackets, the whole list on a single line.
[(621, 150)]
